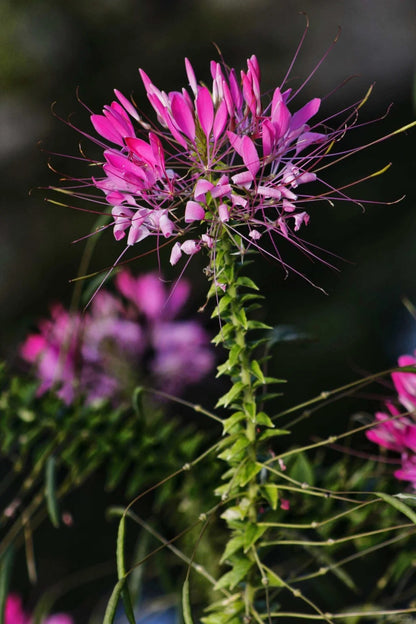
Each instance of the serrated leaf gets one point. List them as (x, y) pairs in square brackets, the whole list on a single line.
[(234, 354), (238, 446), (247, 472), (222, 305), (234, 544), (231, 395), (252, 534), (233, 420), (230, 579)]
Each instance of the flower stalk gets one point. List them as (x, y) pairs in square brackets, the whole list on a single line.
[(242, 492)]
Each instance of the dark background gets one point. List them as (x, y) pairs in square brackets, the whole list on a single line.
[(49, 48)]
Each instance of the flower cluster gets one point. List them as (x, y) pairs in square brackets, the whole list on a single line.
[(118, 343), (396, 432), (15, 614), (217, 159)]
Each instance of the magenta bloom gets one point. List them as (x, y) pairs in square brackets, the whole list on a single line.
[(14, 614), (120, 343), (397, 432), (218, 157)]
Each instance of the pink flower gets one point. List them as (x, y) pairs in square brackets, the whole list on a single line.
[(14, 614), (119, 342), (397, 432), (219, 157)]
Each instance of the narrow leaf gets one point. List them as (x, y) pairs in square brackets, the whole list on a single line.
[(399, 505), (50, 491)]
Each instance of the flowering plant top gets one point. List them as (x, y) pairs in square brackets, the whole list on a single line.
[(217, 158)]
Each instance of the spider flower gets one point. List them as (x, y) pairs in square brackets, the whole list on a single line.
[(396, 431), (121, 341), (218, 157)]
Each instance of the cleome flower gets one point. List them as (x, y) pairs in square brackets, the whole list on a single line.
[(120, 342), (396, 431), (217, 158)]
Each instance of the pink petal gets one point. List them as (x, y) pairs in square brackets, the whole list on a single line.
[(205, 110), (220, 121), (280, 115), (191, 76), (127, 105), (250, 155), (183, 116), (223, 213), (243, 179), (201, 188), (141, 149), (305, 113), (175, 254), (267, 137), (194, 212), (106, 129)]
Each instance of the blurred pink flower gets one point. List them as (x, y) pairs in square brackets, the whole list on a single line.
[(397, 432), (14, 614), (120, 342)]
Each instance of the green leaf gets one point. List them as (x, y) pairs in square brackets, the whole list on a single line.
[(234, 544), (247, 472), (230, 579), (257, 372), (302, 470), (399, 505), (264, 420), (247, 282), (233, 420), (271, 494), (274, 579), (271, 433), (50, 491), (186, 604), (231, 395), (239, 446), (252, 534), (257, 325)]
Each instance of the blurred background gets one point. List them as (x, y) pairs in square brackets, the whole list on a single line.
[(49, 49)]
